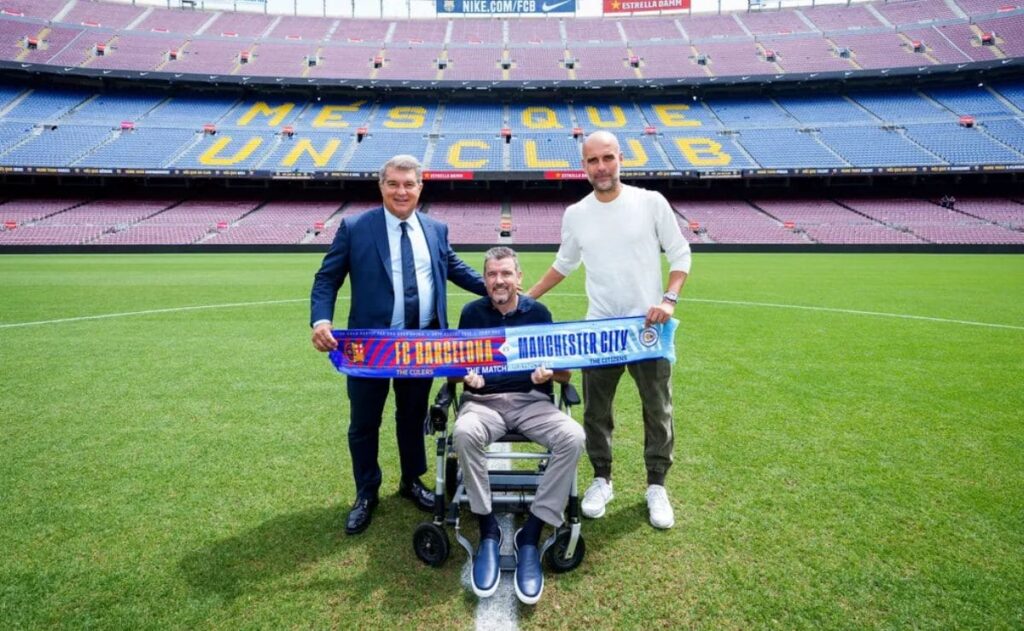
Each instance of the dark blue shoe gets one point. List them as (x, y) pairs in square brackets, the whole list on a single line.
[(529, 577), (487, 567)]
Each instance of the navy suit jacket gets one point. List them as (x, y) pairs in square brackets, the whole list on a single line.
[(360, 252)]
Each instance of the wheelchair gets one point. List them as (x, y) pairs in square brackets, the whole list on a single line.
[(512, 491)]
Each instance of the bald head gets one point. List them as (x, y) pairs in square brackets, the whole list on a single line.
[(600, 138), (601, 160)]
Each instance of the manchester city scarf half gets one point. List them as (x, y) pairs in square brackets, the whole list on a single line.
[(389, 353)]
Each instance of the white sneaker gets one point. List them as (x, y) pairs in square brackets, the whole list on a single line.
[(596, 497), (659, 507)]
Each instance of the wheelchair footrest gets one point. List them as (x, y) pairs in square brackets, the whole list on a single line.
[(508, 563)]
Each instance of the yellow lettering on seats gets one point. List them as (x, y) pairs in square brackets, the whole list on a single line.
[(672, 116), (210, 157), (320, 158), (540, 118), (532, 161), (332, 115), (637, 156), (260, 108), (703, 152), (406, 117), (618, 117), (455, 154)]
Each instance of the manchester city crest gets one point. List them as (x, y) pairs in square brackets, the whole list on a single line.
[(649, 336)]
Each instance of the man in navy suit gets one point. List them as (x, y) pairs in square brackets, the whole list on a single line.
[(397, 261)]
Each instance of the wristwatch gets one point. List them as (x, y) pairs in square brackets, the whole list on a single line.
[(670, 297)]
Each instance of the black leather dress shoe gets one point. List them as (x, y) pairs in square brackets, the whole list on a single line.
[(359, 517), (420, 496)]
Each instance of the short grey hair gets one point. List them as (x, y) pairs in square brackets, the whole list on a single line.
[(403, 162), (501, 252)]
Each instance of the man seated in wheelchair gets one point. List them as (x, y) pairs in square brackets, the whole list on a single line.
[(513, 402)]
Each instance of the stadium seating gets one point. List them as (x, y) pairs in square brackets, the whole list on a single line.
[(468, 222), (776, 221), (805, 39), (864, 129), (735, 222)]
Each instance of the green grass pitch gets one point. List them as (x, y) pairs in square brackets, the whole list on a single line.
[(835, 467)]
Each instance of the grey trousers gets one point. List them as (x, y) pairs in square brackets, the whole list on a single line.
[(484, 418), (654, 382)]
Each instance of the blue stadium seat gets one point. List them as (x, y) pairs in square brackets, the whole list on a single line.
[(11, 133), (750, 112), (130, 107), (378, 147), (142, 148), (188, 111), (57, 147), (962, 145), (47, 105), (832, 108), (977, 102), (901, 105), (787, 148), (1012, 92), (7, 94), (874, 147), (487, 118), (1008, 131)]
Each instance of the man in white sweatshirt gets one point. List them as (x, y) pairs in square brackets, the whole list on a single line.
[(618, 233)]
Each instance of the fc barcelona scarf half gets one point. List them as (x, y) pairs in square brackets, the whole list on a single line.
[(389, 353)]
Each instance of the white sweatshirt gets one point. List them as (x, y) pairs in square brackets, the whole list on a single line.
[(620, 244)]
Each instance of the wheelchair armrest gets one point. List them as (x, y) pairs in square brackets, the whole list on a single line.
[(442, 403), (569, 395), (445, 395)]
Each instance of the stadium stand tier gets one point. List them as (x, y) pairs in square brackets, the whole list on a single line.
[(881, 35), (510, 221), (972, 128), (753, 131)]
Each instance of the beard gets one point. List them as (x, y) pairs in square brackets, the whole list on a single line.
[(605, 185), (501, 295)]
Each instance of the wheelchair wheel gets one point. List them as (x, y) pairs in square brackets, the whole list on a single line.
[(430, 542), (555, 555), (451, 473)]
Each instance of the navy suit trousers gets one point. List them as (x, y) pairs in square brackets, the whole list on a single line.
[(366, 399)]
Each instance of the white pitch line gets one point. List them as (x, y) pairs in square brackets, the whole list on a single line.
[(500, 611), (742, 303), (126, 314), (879, 314)]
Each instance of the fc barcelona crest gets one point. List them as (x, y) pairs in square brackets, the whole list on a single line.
[(355, 352), (449, 5)]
